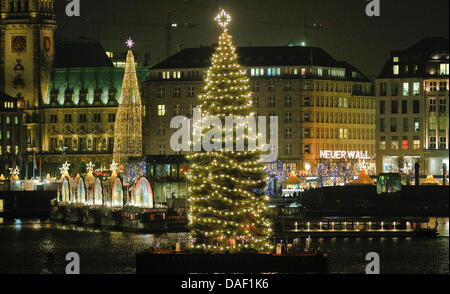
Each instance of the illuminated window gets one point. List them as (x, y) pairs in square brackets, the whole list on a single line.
[(161, 110), (395, 69), (442, 123), (405, 144), (8, 120), (406, 89), (416, 88), (382, 143), (395, 59), (432, 124), (8, 134), (394, 145), (443, 69), (416, 143)]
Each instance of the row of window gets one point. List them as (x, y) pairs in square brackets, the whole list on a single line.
[(8, 105), (7, 120), (403, 105), (177, 91), (306, 148), (406, 144), (7, 134), (336, 102), (8, 149), (82, 144), (434, 124), (82, 118), (406, 89)]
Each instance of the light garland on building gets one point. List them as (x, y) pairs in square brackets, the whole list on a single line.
[(227, 206), (128, 125)]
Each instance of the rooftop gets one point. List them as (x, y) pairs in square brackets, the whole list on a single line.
[(80, 54), (259, 56), (423, 59)]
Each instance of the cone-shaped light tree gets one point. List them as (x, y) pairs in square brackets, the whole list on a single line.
[(228, 208), (128, 125)]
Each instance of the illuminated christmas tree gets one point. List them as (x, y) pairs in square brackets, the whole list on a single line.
[(128, 125), (228, 208)]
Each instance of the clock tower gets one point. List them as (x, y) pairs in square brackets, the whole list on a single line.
[(27, 29)]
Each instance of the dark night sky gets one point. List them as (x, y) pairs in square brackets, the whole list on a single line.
[(348, 34)]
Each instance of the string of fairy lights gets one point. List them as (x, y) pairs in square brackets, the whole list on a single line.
[(227, 207)]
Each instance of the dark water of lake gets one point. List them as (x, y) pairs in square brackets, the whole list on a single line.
[(41, 248)]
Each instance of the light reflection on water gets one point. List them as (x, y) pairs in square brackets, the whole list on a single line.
[(41, 248)]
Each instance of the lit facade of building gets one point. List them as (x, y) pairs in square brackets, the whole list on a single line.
[(68, 91), (12, 134), (413, 109), (321, 104)]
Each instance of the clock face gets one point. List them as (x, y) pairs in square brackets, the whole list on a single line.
[(18, 44), (47, 44)]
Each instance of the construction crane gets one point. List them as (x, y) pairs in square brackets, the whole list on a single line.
[(203, 5), (169, 26), (317, 26)]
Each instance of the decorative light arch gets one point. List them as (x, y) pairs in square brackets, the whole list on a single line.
[(65, 190), (117, 193), (81, 191), (98, 192), (143, 193)]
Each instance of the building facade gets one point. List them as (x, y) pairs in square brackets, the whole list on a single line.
[(66, 92), (322, 105), (12, 134), (413, 109)]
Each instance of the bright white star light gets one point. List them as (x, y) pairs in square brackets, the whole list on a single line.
[(113, 166), (65, 168), (223, 18), (130, 43), (90, 166)]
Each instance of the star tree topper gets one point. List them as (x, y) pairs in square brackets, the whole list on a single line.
[(130, 43), (65, 168), (223, 18)]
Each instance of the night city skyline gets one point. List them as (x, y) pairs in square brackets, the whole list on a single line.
[(348, 33), (191, 143)]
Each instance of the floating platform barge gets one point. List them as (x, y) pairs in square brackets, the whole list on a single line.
[(132, 219), (243, 263)]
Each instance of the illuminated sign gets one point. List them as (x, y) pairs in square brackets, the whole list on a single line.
[(328, 154)]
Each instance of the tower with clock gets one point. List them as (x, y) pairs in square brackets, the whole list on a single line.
[(27, 30)]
